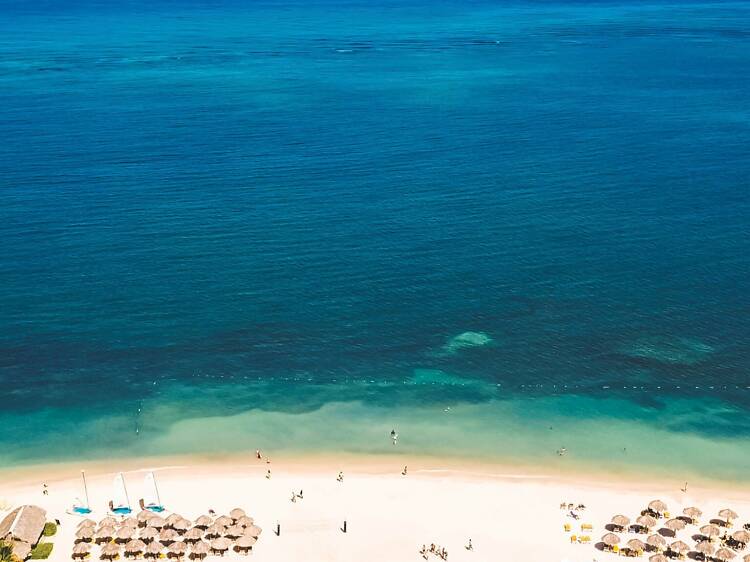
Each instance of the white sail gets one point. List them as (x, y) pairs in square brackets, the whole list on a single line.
[(151, 497), (120, 498)]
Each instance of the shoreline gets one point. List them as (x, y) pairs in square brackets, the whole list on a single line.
[(369, 464)]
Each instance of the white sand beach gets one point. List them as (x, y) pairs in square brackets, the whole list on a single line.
[(507, 515)]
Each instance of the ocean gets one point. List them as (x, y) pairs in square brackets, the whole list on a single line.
[(500, 228)]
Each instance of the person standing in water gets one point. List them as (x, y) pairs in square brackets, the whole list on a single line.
[(394, 436)]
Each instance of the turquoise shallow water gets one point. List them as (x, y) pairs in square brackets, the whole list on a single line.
[(296, 226)]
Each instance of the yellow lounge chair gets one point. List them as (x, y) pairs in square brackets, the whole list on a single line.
[(667, 515), (573, 538), (616, 549), (567, 527), (584, 539), (587, 527)]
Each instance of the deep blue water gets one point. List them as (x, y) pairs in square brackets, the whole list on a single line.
[(276, 205)]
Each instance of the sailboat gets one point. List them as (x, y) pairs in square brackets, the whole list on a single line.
[(80, 507), (151, 499), (120, 504)]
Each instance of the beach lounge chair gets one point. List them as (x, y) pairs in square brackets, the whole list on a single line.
[(585, 539), (616, 549), (573, 539), (587, 527), (567, 527)]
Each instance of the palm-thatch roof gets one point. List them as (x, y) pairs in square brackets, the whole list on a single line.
[(144, 515), (620, 521), (136, 545), (108, 522), (176, 549), (220, 544), (646, 521), (154, 548), (675, 524), (244, 521), (728, 514), (215, 530), (199, 550), (658, 558), (679, 547), (710, 531), (234, 531), (656, 541), (148, 534), (658, 506), (181, 526), (692, 512), (110, 550), (236, 513), (86, 523), (167, 536), (610, 539), (204, 522), (85, 534), (253, 531), (23, 524), (81, 549), (724, 554), (129, 522), (741, 536), (224, 521), (124, 534), (246, 542), (104, 533), (636, 544), (705, 548), (194, 534), (156, 522)]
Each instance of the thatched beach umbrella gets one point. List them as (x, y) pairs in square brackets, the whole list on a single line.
[(646, 521), (104, 534), (636, 544), (234, 531), (728, 515), (144, 515), (167, 536), (200, 550), (658, 506), (154, 549), (85, 534), (710, 531), (657, 541), (204, 522), (129, 522), (148, 534), (692, 512), (679, 547), (741, 536), (724, 554), (110, 551), (193, 535), (224, 521), (746, 558), (81, 550), (253, 531), (171, 519), (86, 523), (181, 526), (244, 544), (136, 546), (610, 539), (176, 550), (124, 534), (215, 531), (236, 513), (620, 521), (156, 522), (705, 548), (244, 521), (220, 545), (108, 522), (658, 558), (675, 525)]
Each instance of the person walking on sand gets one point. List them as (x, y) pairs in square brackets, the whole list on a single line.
[(268, 474), (258, 455), (469, 546), (294, 497), (403, 472)]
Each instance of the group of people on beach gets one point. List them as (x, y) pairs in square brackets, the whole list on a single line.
[(436, 550)]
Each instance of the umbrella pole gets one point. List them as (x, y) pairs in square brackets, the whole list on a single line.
[(85, 489)]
